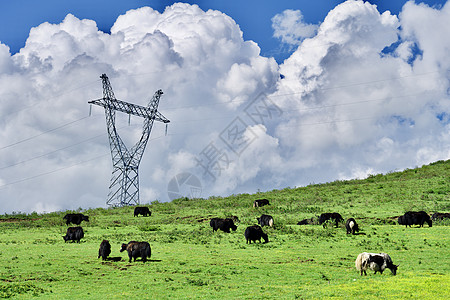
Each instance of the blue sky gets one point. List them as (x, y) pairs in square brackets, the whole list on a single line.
[(17, 17), (261, 95)]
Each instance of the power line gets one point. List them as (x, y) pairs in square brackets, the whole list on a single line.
[(196, 133), (60, 169), (191, 133), (52, 152), (54, 97), (292, 126), (50, 172), (216, 118), (237, 101), (300, 92), (198, 120), (60, 149), (43, 133), (314, 107)]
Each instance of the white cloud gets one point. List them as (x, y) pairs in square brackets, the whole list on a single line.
[(59, 159), (290, 28), (426, 26), (259, 160), (5, 59), (344, 108), (354, 107)]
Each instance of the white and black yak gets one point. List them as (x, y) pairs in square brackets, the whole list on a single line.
[(137, 249), (260, 202), (265, 220), (351, 226), (377, 262)]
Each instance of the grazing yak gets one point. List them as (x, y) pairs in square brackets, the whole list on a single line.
[(351, 226), (137, 249), (75, 218), (235, 219), (306, 222), (415, 218), (330, 216), (74, 234), (104, 250), (377, 262), (440, 216), (254, 233), (265, 220), (142, 210), (260, 202), (223, 224)]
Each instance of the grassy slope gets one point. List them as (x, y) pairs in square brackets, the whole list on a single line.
[(190, 261)]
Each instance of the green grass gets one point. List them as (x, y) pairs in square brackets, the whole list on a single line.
[(189, 261)]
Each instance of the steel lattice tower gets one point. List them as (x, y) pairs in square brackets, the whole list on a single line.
[(124, 185)]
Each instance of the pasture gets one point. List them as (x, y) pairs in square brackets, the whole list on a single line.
[(190, 261)]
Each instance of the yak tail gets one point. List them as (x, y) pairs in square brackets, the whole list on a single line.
[(148, 252), (271, 222), (359, 262)]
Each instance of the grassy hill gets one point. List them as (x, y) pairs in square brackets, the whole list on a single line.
[(189, 261)]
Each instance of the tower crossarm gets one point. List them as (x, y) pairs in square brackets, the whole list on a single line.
[(131, 109)]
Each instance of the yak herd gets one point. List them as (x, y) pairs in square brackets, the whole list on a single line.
[(135, 249), (376, 262)]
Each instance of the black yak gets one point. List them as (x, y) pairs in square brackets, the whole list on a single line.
[(74, 234), (223, 224), (104, 250), (254, 233), (137, 249), (306, 222), (142, 210), (330, 216), (235, 219), (440, 216), (415, 218), (75, 218)]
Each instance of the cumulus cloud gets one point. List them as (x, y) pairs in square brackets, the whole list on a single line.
[(364, 92), (290, 28), (355, 105), (56, 157)]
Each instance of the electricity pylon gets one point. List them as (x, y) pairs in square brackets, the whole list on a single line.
[(124, 185)]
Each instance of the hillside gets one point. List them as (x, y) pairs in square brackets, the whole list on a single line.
[(379, 196), (190, 261)]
